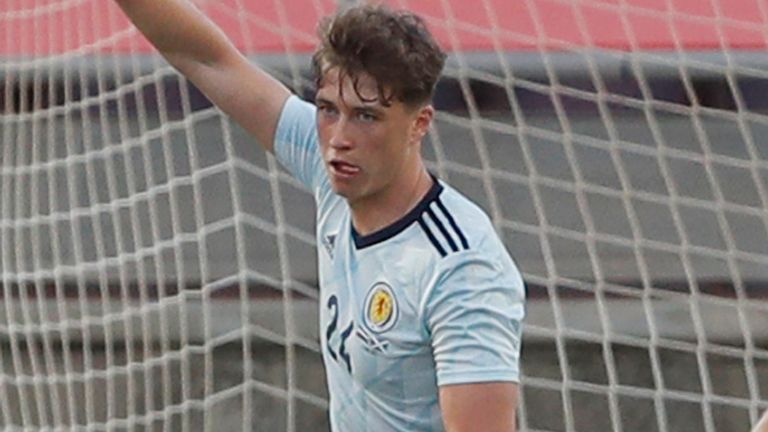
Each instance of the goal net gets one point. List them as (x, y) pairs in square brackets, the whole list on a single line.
[(158, 271)]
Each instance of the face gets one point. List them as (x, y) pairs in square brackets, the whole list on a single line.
[(369, 149)]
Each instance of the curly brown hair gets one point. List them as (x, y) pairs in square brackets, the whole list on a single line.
[(394, 47)]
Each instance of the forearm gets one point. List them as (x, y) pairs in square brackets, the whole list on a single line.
[(178, 30), (762, 425), (198, 49)]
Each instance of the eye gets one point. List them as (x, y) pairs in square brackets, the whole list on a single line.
[(366, 116), (327, 110)]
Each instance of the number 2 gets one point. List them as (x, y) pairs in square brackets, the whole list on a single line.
[(333, 305)]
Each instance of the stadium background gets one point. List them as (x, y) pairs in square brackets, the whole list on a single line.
[(106, 92)]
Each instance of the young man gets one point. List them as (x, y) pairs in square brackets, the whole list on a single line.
[(421, 306)]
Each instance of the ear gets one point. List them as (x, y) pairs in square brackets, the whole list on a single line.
[(422, 122)]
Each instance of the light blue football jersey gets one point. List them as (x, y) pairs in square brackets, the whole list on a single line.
[(431, 300)]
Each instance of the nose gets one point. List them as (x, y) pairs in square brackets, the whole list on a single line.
[(340, 135)]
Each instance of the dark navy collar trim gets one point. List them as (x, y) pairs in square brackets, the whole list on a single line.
[(386, 233)]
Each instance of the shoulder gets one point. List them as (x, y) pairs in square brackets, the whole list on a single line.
[(296, 123), (453, 224), (296, 146), (481, 259), (296, 108)]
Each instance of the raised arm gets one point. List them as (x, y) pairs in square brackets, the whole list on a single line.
[(200, 51)]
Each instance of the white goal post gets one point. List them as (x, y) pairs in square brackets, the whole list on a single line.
[(157, 270)]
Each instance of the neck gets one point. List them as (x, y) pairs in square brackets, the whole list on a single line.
[(383, 209)]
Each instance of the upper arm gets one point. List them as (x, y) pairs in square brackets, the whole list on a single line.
[(260, 104), (474, 315), (195, 46), (474, 318), (487, 407), (253, 98)]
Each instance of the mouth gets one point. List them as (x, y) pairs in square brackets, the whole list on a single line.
[(342, 169)]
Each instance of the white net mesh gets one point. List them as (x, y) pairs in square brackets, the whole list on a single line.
[(158, 271)]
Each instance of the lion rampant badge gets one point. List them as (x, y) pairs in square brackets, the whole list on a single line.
[(381, 309)]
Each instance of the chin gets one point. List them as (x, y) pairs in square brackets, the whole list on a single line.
[(349, 192), (343, 190)]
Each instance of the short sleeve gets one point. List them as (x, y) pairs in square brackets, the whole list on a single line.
[(296, 143), (474, 315)]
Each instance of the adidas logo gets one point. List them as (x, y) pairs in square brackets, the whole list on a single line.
[(329, 242)]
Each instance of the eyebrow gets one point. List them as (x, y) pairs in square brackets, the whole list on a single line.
[(369, 110), (359, 108), (322, 100)]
